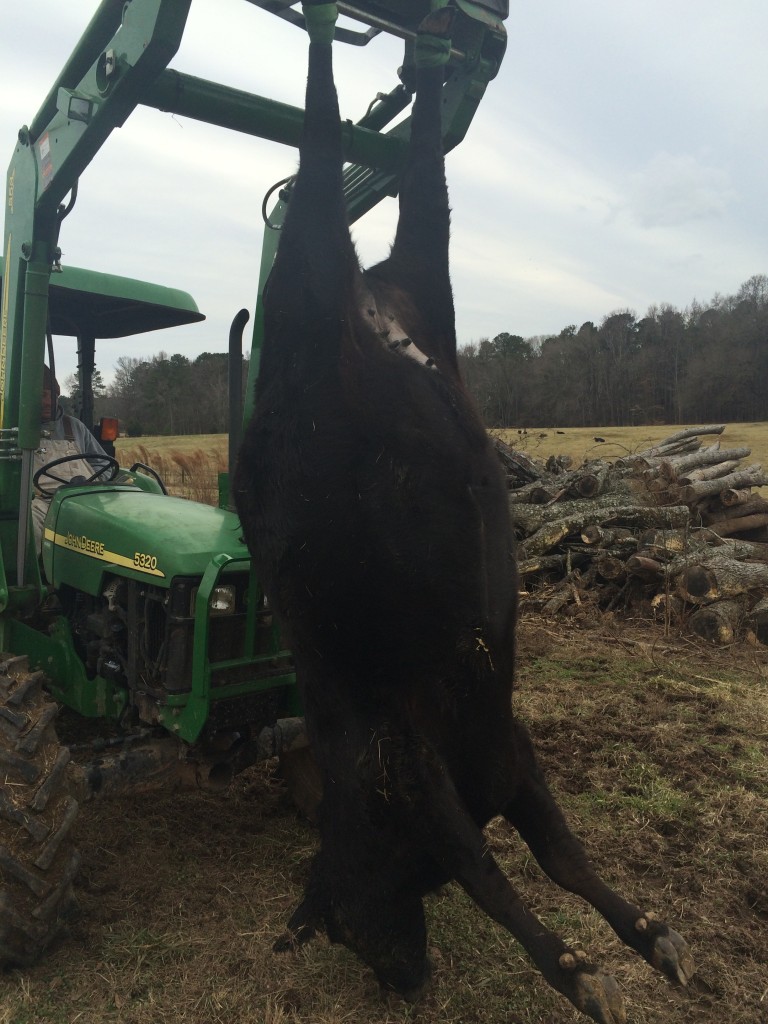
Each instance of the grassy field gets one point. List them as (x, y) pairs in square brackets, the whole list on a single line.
[(190, 464), (658, 752)]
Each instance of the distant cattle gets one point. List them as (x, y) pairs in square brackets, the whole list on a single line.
[(376, 512)]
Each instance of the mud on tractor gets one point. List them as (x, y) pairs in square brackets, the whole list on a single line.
[(138, 612)]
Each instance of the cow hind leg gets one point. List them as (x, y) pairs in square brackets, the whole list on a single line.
[(418, 264), (535, 815), (311, 286)]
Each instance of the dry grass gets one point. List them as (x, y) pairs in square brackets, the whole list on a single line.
[(212, 443), (658, 751), (188, 470)]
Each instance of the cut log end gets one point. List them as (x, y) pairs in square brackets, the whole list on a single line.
[(698, 584), (718, 622)]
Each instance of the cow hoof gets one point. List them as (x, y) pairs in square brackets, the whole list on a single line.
[(668, 951), (597, 995), (672, 956)]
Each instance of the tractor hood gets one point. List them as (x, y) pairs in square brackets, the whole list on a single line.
[(90, 531)]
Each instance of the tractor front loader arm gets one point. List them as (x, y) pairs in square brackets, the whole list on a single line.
[(124, 47)]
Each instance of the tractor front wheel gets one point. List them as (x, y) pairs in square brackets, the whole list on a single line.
[(37, 859)]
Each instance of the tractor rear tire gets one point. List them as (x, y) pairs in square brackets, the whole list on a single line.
[(38, 861)]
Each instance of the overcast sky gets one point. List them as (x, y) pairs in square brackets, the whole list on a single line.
[(618, 160)]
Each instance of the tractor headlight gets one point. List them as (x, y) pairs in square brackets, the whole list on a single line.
[(223, 600)]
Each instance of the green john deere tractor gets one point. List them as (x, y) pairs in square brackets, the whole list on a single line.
[(139, 611)]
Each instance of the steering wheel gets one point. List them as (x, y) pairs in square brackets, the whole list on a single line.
[(109, 465)]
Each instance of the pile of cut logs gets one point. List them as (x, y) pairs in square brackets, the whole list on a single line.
[(677, 532)]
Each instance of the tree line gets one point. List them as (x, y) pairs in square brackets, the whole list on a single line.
[(708, 362), (164, 394)]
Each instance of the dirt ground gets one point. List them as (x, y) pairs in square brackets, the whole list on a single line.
[(658, 750)]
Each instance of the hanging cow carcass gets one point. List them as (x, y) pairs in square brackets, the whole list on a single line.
[(376, 513)]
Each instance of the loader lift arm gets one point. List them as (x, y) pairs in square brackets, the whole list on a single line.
[(121, 61)]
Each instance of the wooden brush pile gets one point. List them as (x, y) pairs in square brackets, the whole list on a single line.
[(677, 532)]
